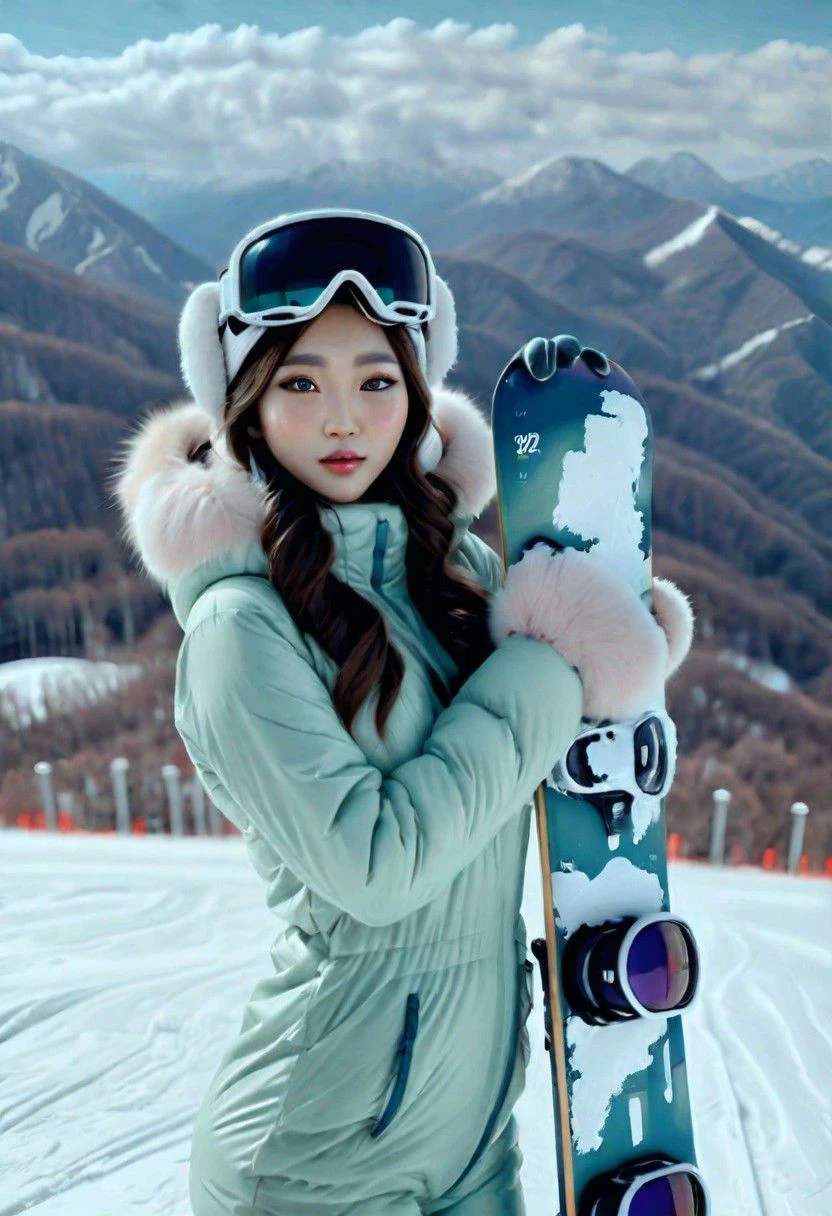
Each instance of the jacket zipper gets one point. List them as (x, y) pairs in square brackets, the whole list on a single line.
[(378, 557), (377, 576), (376, 581)]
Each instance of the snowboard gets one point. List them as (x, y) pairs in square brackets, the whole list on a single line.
[(573, 445)]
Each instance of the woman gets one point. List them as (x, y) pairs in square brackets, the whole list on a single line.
[(363, 697)]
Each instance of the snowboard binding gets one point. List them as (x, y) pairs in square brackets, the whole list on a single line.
[(631, 967), (651, 1186), (611, 764)]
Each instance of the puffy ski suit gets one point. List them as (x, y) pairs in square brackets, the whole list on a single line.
[(379, 1060)]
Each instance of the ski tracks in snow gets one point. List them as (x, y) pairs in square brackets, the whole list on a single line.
[(125, 970), (759, 1043), (126, 964)]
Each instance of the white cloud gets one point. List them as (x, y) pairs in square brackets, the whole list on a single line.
[(243, 106)]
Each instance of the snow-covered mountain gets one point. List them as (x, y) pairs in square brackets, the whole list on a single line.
[(212, 221), (559, 175), (798, 183), (797, 203), (807, 271), (64, 219), (683, 175), (569, 194)]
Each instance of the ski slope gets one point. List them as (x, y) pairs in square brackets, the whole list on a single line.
[(125, 964)]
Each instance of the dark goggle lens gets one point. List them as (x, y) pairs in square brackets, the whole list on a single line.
[(650, 748), (659, 966), (294, 265), (677, 1195)]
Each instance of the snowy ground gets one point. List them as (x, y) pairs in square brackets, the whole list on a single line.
[(125, 963)]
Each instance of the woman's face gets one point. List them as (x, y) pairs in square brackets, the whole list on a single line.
[(339, 386)]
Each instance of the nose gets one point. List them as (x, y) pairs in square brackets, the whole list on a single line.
[(342, 421)]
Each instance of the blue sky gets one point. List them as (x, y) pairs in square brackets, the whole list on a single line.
[(189, 92), (94, 27)]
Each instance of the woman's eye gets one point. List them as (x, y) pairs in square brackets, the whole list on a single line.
[(295, 380), (299, 379)]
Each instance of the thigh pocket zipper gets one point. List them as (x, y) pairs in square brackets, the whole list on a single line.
[(405, 1052)]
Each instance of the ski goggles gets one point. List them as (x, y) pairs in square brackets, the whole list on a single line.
[(631, 967), (654, 1186), (612, 764), (288, 269)]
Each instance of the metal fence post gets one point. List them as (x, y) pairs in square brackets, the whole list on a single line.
[(43, 771), (722, 799), (799, 811), (173, 787), (118, 776)]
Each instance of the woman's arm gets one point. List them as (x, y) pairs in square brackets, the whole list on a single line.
[(253, 712)]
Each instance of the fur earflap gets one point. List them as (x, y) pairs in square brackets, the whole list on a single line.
[(185, 499), (468, 461), (200, 349), (597, 622), (442, 339)]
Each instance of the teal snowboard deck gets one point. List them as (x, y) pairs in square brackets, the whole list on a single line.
[(573, 444)]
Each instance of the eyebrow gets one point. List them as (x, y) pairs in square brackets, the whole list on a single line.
[(376, 356)]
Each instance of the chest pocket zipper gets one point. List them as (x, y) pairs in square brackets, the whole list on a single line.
[(405, 1053)]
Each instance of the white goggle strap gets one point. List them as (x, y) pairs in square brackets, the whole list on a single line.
[(236, 346), (230, 301)]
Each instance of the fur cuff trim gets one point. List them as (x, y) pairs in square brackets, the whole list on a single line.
[(597, 622), (183, 506), (674, 613)]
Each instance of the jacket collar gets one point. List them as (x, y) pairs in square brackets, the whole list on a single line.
[(370, 543), (192, 521)]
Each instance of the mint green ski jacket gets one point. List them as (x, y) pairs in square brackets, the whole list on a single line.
[(386, 1043)]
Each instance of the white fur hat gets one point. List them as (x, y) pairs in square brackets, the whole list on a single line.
[(209, 363)]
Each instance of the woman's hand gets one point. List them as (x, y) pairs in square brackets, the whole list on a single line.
[(593, 617)]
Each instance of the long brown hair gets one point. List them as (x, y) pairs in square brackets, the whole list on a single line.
[(300, 550)]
